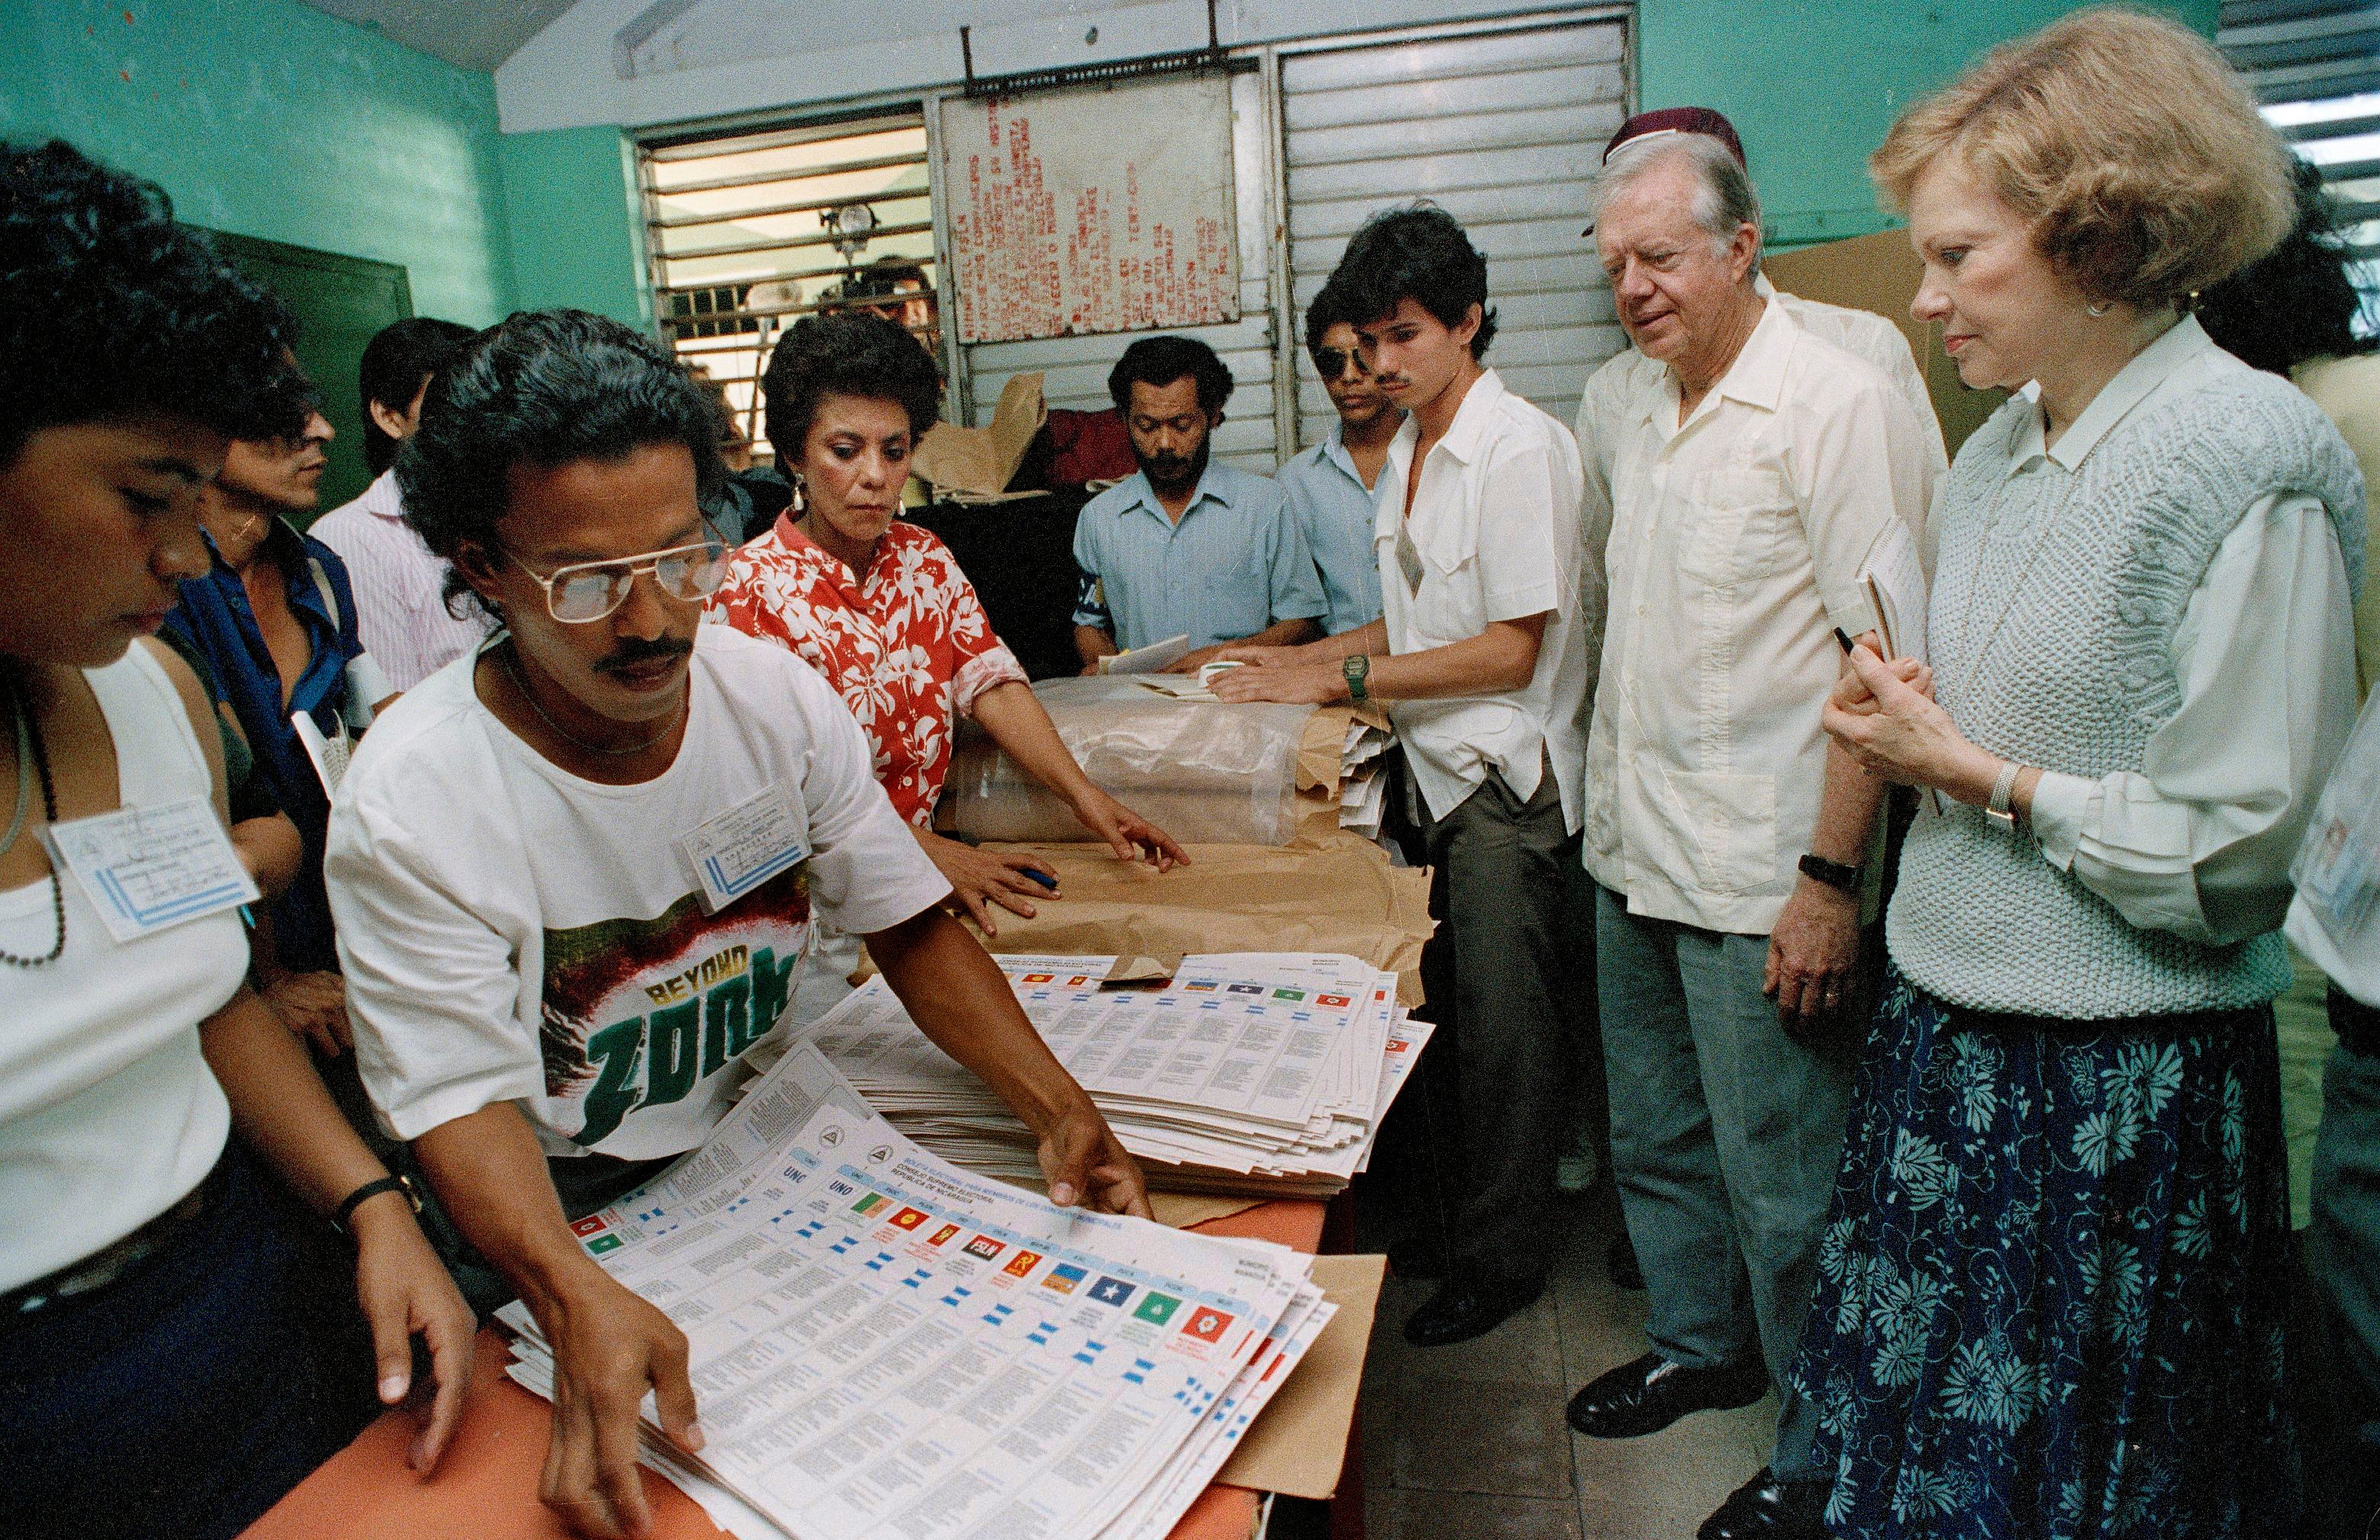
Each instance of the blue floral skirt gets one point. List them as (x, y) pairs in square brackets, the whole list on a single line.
[(2050, 1292)]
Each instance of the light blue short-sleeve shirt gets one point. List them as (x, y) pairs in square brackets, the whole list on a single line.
[(1234, 564), (1333, 509)]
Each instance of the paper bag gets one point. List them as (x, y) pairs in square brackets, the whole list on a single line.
[(980, 461)]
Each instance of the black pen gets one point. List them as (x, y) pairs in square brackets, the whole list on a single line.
[(1846, 642)]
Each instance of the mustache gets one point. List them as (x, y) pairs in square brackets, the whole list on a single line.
[(632, 653)]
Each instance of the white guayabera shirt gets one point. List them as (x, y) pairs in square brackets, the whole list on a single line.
[(1735, 545)]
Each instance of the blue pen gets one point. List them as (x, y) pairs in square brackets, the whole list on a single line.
[(1045, 879)]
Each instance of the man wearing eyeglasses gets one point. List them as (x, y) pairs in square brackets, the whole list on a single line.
[(1329, 486), (575, 873)]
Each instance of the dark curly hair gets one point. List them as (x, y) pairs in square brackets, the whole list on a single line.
[(2297, 302), (1161, 361), (1417, 253), (544, 389), (109, 308), (846, 353), (399, 358)]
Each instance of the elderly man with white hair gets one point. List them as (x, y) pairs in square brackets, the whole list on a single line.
[(1746, 484)]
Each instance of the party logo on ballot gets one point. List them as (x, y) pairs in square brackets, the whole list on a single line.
[(1207, 1326)]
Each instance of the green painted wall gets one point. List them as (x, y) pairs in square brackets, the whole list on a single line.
[(1812, 85), (577, 229), (269, 118)]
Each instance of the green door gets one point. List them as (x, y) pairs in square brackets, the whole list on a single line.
[(341, 302)]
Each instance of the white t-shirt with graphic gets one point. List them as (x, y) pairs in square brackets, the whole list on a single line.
[(511, 931)]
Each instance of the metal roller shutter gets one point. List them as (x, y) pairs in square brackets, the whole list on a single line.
[(1502, 128)]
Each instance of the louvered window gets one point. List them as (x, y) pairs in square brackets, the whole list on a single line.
[(750, 231), (2315, 65)]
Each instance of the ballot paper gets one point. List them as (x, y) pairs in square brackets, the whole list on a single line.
[(1156, 658), (1256, 1073), (884, 1345)]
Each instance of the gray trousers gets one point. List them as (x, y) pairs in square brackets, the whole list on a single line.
[(1726, 1137), (1502, 867)]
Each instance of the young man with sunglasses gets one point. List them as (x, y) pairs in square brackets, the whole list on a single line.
[(575, 873), (1329, 487)]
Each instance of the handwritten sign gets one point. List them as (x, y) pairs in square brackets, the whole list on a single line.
[(1103, 210)]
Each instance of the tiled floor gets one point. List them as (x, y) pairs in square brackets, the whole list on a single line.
[(1468, 1442)]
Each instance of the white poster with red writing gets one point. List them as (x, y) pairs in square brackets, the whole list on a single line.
[(1108, 209)]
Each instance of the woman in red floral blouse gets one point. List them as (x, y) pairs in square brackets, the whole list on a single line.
[(882, 611)]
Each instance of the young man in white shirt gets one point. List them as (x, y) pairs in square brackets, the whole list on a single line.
[(1745, 485), (400, 588), (577, 872), (1481, 654)]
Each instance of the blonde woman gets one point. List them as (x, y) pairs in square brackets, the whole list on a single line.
[(2048, 1300)]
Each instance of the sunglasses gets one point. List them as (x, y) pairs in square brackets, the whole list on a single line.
[(586, 591), (1334, 362)]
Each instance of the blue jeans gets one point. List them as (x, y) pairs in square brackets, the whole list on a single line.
[(1726, 1137)]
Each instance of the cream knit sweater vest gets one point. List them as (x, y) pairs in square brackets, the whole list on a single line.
[(2050, 632)]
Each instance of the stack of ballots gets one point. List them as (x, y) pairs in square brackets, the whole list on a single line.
[(1261, 1074), (886, 1346)]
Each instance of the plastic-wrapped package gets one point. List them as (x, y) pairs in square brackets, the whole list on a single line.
[(1203, 771)]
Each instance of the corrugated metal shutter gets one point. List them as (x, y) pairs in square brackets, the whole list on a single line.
[(1076, 369), (2315, 66), (1501, 129)]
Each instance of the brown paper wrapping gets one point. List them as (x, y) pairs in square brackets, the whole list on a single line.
[(1299, 1440), (1333, 892)]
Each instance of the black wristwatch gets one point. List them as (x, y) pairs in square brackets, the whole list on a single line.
[(1356, 668), (372, 1190), (1834, 874)]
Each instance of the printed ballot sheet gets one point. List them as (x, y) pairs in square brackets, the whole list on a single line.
[(885, 1345), (1254, 1072)]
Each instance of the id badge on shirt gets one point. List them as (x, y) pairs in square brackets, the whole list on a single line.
[(2338, 867), (147, 869), (742, 847)]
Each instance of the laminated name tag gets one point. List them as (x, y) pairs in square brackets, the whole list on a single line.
[(2338, 867), (745, 846), (146, 869)]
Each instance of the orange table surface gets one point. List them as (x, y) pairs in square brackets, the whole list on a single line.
[(486, 1487)]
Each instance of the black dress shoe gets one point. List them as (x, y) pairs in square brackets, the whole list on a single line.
[(1621, 1263), (1417, 1255), (1768, 1508), (1460, 1311), (1650, 1393)]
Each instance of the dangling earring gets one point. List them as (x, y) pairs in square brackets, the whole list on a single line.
[(801, 496)]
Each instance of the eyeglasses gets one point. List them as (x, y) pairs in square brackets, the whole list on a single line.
[(587, 591), (1334, 362)]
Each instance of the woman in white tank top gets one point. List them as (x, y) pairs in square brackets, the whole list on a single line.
[(171, 1353)]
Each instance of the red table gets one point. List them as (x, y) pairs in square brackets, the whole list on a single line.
[(486, 1487)]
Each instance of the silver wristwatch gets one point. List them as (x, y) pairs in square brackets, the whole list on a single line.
[(1997, 808)]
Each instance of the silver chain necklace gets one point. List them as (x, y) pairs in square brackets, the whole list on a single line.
[(506, 656)]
